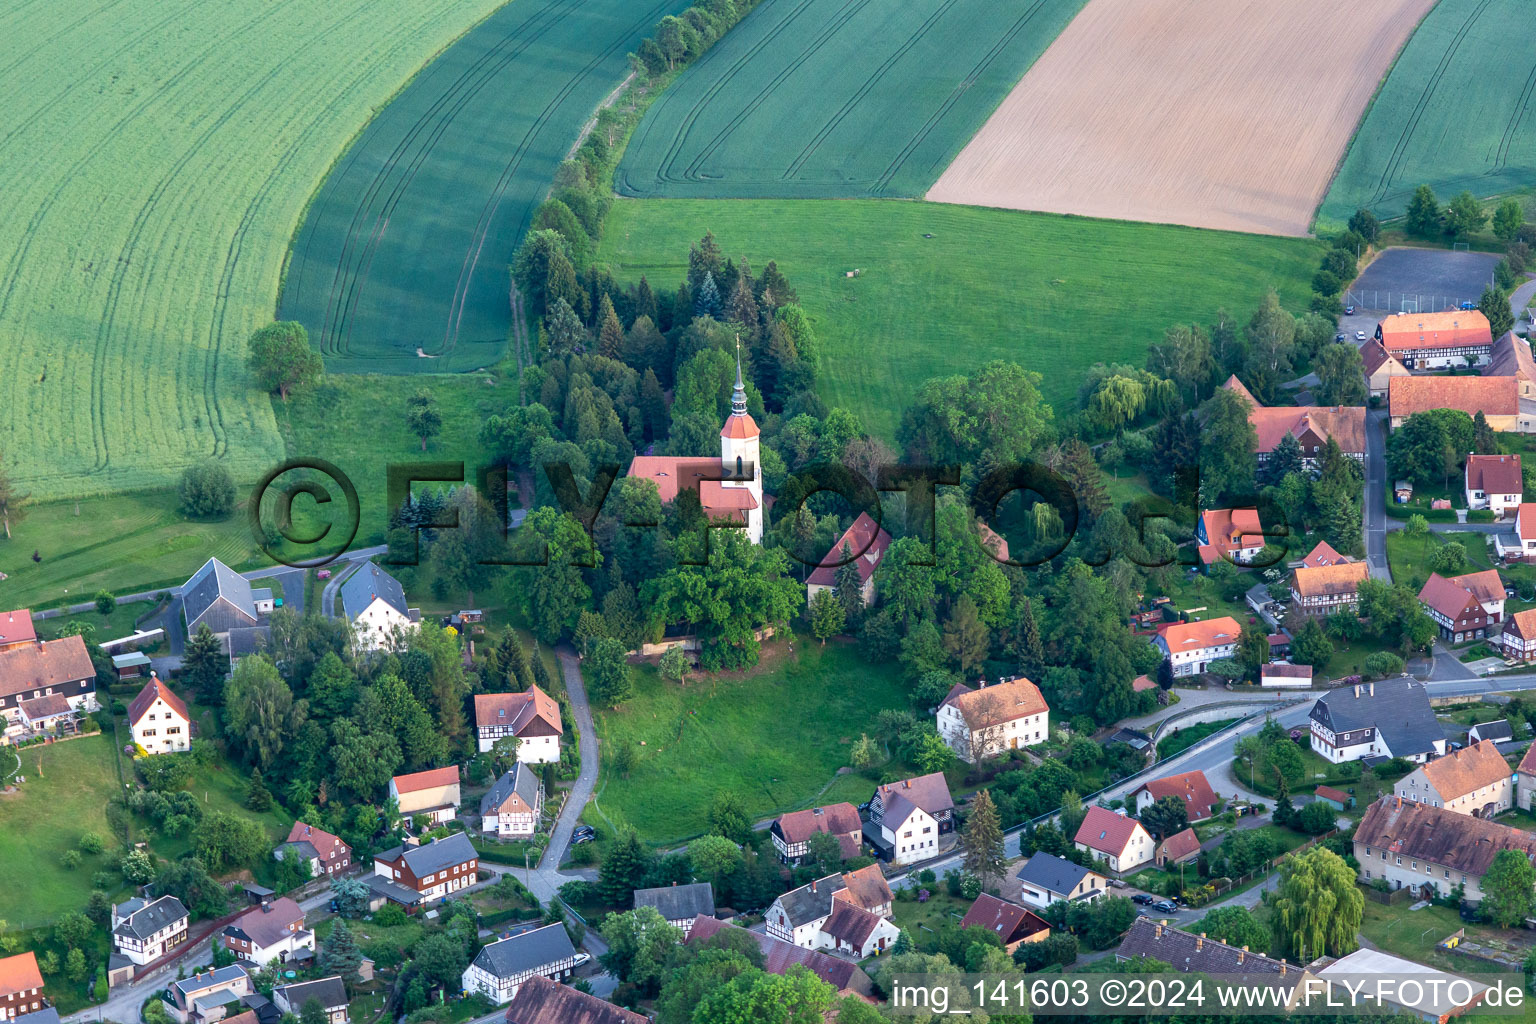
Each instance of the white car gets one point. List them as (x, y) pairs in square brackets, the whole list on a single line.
[(1359, 335), (582, 957)]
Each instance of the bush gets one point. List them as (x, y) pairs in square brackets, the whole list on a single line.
[(1480, 515), (970, 887), (389, 916), (206, 490), (71, 860), (106, 604)]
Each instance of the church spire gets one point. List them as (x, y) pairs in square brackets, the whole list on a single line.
[(739, 395)]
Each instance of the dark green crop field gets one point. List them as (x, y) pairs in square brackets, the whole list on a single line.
[(837, 98), (401, 263)]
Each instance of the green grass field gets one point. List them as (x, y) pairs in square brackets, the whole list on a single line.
[(775, 739), (837, 98), (159, 157), (1055, 294), (406, 246), (1458, 111)]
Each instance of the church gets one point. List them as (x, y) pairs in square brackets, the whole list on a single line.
[(730, 488)]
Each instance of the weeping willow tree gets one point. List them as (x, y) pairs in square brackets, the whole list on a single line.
[(1319, 909)]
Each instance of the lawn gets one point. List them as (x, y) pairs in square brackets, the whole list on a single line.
[(65, 795), (830, 99), (775, 738), (922, 920), (1182, 739), (120, 623), (1411, 560), (389, 277), (1055, 294), (1441, 118), (126, 297)]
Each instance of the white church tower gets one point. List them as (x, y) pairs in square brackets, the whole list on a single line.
[(739, 456)]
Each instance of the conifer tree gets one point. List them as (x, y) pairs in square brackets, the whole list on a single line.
[(257, 798), (610, 333), (1031, 650), (848, 585), (623, 870), (645, 301), (707, 301), (981, 841), (340, 954)]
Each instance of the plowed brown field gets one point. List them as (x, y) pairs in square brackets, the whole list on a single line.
[(1215, 113)]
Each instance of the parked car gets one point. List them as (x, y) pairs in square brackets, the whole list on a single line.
[(1359, 335), (582, 958), (1117, 883), (323, 574), (582, 837), (1349, 310), (1165, 906), (1469, 305), (1339, 337), (1142, 898)]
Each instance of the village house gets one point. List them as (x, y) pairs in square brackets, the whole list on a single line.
[(679, 905), (16, 629), (1497, 730), (864, 542), (1454, 339), (145, 930), (1190, 788), (272, 932), (1011, 923), (1233, 534), (21, 986), (791, 833), (1467, 607), (330, 993), (1494, 482), (430, 870), (1185, 952), (1284, 674), (1433, 850), (433, 793), (1474, 780), (1518, 638), (1046, 878), (1117, 838), (1519, 545), (541, 1001), (511, 809), (533, 716), (1179, 848), (985, 722), (1380, 367), (1494, 397), (502, 967), (1391, 718), (1321, 554), (1512, 358), (1525, 780), (159, 720), (1192, 646), (374, 603), (201, 999), (218, 597), (1312, 426), (907, 818), (843, 913), (325, 854), (730, 488), (42, 682), (779, 956), (1327, 589)]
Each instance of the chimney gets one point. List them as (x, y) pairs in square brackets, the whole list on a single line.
[(1282, 968), (266, 908), (1159, 933), (1241, 955), (1372, 686), (1200, 942), (1357, 690)]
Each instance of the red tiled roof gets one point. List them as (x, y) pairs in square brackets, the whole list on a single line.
[(865, 541), (1280, 670), (1190, 787), (779, 956), (798, 826), (1511, 358), (1236, 387), (1329, 793), (1008, 921), (1412, 331), (1525, 520), (541, 1001), (1465, 771), (1522, 625), (1344, 423), (432, 778), (1141, 683), (1328, 580), (326, 845), (866, 888), (19, 973), (930, 792), (1491, 396), (268, 924), (16, 627), (1528, 762), (1194, 636), (1495, 474), (1485, 586), (1105, 831), (850, 923), (1373, 355), (152, 689), (517, 710), (673, 473), (1229, 530), (1447, 596), (1322, 555), (739, 427), (1180, 845), (1001, 702)]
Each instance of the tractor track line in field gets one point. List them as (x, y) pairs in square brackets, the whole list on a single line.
[(1511, 129), (62, 31), (481, 71), (1389, 172), (493, 202)]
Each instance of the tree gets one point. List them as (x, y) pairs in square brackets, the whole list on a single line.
[(623, 870), (981, 840), (106, 604), (674, 665), (257, 798), (1365, 224), (706, 301), (279, 357), (206, 490), (75, 968), (1031, 650), (1423, 218), (1319, 907), (1381, 664), (965, 637), (864, 753), (1484, 440), (352, 897), (827, 615), (609, 676), (1311, 645), (728, 818), (1165, 817), (72, 929), (1507, 220), (756, 997), (639, 943), (223, 841), (1236, 926), (1449, 558), (339, 953), (824, 853), (994, 417), (1227, 445), (1315, 818), (1341, 376), (422, 417), (1464, 215), (1495, 306), (260, 711), (1509, 889), (715, 856)]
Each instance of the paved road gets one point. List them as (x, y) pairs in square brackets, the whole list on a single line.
[(547, 879), (1521, 297)]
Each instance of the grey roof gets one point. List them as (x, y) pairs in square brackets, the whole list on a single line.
[(261, 593), (1051, 872), (529, 951), (329, 991), (1497, 730), (1398, 709), (679, 902), (391, 890), (218, 976), (208, 584), (521, 780), (1131, 738), (432, 857), (244, 640), (812, 901), (359, 589), (1187, 952), (145, 921), (47, 1015), (266, 1013), (303, 847)]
